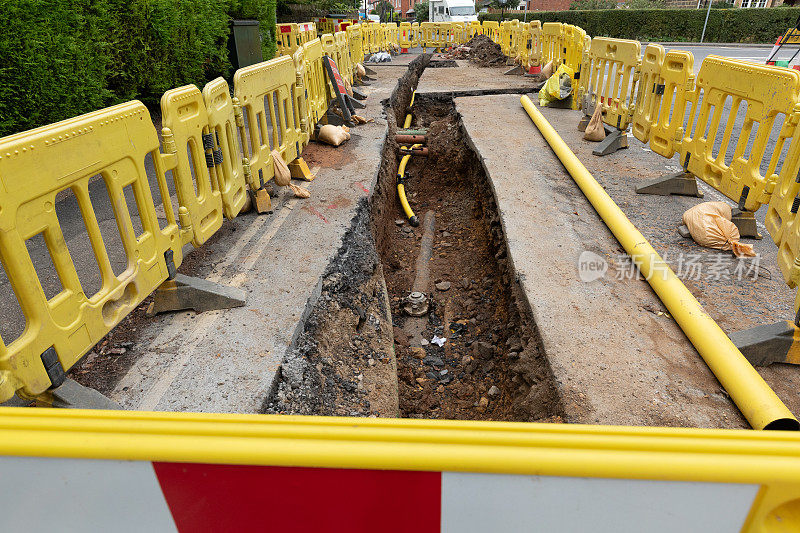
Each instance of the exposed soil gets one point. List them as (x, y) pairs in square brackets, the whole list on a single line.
[(350, 361), (491, 367), (343, 362), (484, 52)]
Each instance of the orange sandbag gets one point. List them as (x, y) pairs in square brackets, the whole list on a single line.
[(594, 130), (547, 70), (710, 225)]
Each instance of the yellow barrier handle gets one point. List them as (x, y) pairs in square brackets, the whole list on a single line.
[(756, 400)]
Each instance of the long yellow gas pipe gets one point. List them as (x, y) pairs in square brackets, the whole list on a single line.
[(756, 400), (401, 172)]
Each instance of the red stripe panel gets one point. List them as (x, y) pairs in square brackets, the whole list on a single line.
[(208, 497)]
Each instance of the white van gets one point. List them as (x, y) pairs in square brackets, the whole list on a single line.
[(451, 11)]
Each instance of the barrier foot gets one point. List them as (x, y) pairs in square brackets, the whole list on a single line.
[(615, 140), (358, 95), (517, 69), (746, 222), (261, 201), (769, 343), (184, 292), (334, 120), (352, 102), (584, 122), (300, 171), (369, 71), (681, 183), (360, 83), (73, 395)]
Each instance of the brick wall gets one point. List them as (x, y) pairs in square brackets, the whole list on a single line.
[(549, 5)]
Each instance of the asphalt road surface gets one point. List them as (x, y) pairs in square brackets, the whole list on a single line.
[(748, 53)]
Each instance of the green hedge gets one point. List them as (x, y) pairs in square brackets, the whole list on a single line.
[(679, 25), (61, 58)]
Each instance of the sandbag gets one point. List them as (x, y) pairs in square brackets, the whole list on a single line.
[(299, 192), (558, 86), (333, 135), (547, 70), (594, 130), (360, 70), (282, 174), (710, 225)]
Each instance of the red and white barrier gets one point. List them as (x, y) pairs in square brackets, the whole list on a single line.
[(57, 494)]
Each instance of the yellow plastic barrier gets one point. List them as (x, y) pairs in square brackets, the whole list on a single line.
[(429, 35), (666, 84), (308, 32), (391, 36), (610, 80), (187, 138), (492, 29), (325, 25), (534, 44), (355, 43), (475, 28), (345, 64), (552, 44), (264, 91), (404, 37), (506, 36), (227, 170), (415, 34), (766, 91), (443, 35), (574, 40), (37, 165), (376, 37), (382, 39), (523, 43), (288, 39), (649, 92), (782, 220), (330, 50), (317, 95)]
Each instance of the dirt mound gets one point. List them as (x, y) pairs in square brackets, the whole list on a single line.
[(484, 52)]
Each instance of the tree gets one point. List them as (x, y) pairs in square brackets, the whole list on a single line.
[(502, 5), (587, 5), (421, 11)]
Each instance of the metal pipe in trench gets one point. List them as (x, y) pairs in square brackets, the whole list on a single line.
[(756, 400)]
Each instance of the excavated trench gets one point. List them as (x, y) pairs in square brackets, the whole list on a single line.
[(361, 354)]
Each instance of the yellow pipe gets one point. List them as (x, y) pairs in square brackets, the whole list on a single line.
[(401, 171), (755, 399), (401, 189)]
